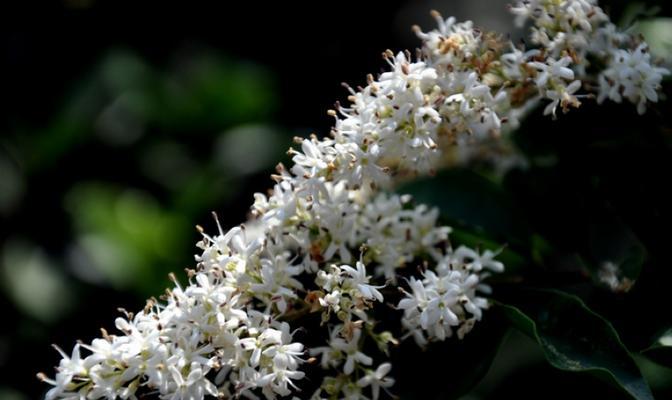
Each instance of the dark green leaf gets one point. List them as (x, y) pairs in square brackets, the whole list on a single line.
[(480, 212), (661, 350), (574, 338), (468, 199)]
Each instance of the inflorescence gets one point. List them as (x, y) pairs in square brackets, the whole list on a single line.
[(332, 241)]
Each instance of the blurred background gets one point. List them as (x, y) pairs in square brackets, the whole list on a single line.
[(124, 125)]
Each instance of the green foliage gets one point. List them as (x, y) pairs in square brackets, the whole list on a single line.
[(470, 200), (125, 97), (125, 236), (575, 338), (661, 349), (135, 155)]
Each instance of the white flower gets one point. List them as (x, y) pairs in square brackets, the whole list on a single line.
[(514, 62), (631, 75), (563, 96), (442, 301), (278, 283), (612, 277), (332, 300), (280, 380), (475, 261), (69, 368), (553, 70), (313, 160), (377, 379), (330, 356), (351, 350), (194, 387), (560, 25), (360, 280)]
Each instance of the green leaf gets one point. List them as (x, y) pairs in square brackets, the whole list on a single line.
[(480, 213), (661, 350), (125, 236), (575, 338), (468, 199)]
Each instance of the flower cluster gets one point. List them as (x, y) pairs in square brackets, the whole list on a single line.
[(581, 32), (446, 298), (201, 335), (631, 75), (332, 239)]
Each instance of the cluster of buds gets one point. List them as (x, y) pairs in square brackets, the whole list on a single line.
[(330, 240)]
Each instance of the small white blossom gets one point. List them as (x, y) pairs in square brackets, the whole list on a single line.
[(632, 76), (377, 379), (443, 301), (360, 280)]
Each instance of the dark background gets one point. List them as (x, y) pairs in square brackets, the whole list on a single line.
[(65, 65)]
